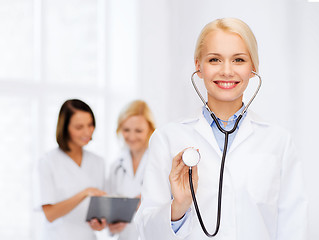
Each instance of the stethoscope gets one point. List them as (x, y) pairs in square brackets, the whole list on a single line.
[(120, 167), (191, 157), (123, 169)]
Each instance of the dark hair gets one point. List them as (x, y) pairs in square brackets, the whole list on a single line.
[(67, 110)]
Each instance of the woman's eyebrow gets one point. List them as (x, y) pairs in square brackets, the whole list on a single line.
[(217, 54), (238, 54)]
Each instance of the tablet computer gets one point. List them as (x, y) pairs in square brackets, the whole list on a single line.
[(113, 209)]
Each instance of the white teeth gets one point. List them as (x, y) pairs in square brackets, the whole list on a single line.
[(226, 84)]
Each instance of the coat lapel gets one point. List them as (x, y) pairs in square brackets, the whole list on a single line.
[(244, 131), (127, 162), (203, 128)]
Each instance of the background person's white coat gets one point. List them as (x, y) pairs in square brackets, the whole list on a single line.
[(123, 182)]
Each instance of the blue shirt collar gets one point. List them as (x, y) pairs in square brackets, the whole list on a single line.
[(210, 120)]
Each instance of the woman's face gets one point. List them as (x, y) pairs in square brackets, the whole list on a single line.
[(135, 131), (225, 66), (80, 129)]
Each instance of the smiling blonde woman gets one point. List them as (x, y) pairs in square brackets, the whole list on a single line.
[(263, 194)]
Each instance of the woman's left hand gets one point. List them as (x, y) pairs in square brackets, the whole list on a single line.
[(97, 225), (117, 227)]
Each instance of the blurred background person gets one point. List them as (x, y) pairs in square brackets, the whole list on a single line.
[(135, 126), (67, 175)]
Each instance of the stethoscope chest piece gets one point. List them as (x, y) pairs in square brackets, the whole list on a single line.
[(191, 157)]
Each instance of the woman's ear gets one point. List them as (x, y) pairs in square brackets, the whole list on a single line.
[(197, 65), (252, 74)]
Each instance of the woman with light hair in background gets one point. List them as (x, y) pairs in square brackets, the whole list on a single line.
[(135, 126)]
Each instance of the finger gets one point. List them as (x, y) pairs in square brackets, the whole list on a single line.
[(98, 226), (117, 226), (180, 161), (124, 225), (93, 221), (121, 226), (103, 220), (178, 164), (103, 223), (195, 173), (177, 159), (195, 177), (93, 224), (101, 193), (113, 228), (98, 193)]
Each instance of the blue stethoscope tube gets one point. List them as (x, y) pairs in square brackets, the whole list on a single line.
[(222, 165)]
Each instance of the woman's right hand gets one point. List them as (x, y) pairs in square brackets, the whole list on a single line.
[(93, 192), (179, 180)]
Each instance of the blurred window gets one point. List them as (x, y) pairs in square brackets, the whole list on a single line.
[(51, 51)]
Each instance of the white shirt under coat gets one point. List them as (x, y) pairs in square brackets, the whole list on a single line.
[(263, 190), (123, 182), (58, 178)]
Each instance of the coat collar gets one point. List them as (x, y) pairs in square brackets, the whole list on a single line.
[(245, 130), (126, 161), (203, 128)]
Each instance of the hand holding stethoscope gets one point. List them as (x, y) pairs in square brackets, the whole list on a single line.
[(179, 180)]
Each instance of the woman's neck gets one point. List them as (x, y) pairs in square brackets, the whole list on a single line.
[(75, 154), (137, 156), (224, 110)]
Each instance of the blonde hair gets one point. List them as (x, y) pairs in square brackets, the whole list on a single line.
[(232, 25), (136, 108)]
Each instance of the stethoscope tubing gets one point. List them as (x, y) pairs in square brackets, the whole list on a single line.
[(220, 185), (222, 166)]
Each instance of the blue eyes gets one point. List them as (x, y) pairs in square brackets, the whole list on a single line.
[(237, 60), (213, 60)]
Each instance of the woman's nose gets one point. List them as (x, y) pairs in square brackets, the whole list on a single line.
[(227, 69), (129, 136), (88, 131)]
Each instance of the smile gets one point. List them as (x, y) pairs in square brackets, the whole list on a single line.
[(86, 139), (226, 84)]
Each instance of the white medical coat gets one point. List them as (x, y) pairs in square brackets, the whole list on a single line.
[(263, 195), (123, 182), (58, 178)]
